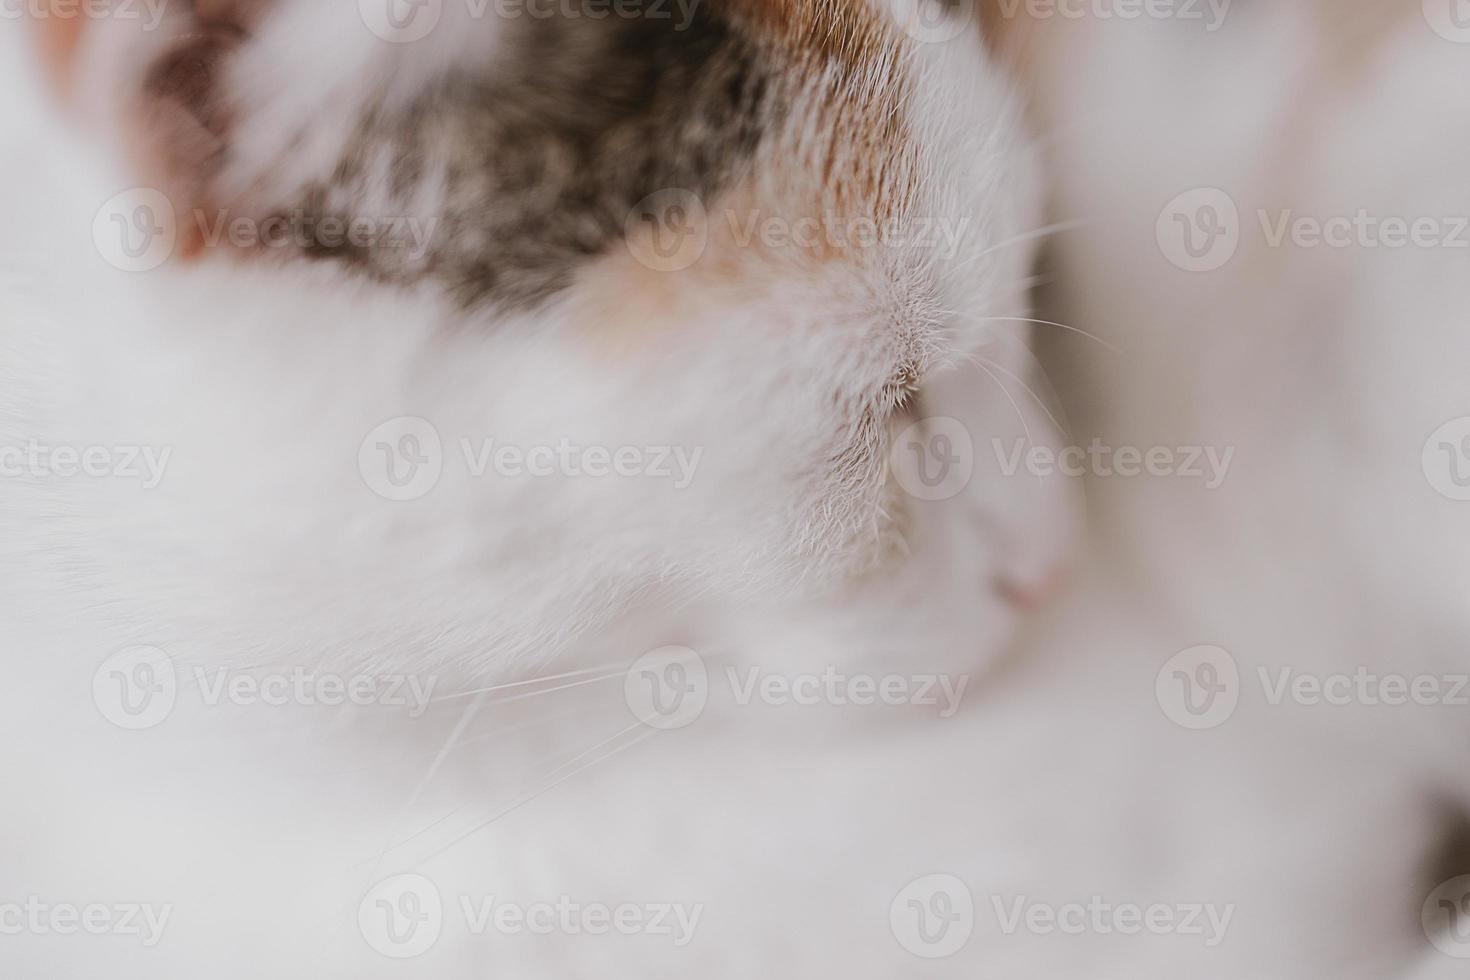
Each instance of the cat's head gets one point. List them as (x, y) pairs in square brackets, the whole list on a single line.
[(481, 325)]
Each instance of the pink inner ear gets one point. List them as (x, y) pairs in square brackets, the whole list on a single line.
[(58, 41)]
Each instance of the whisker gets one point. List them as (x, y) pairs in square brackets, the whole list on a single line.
[(459, 727), (1019, 414), (586, 752), (537, 722), (532, 796), (560, 687), (609, 671), (1030, 236), (1029, 390), (1050, 323)]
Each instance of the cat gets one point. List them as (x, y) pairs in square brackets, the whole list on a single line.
[(413, 368)]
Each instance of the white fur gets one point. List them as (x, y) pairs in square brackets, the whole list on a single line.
[(263, 549)]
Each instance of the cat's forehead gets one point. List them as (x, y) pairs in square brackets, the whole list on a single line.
[(502, 157), (580, 136)]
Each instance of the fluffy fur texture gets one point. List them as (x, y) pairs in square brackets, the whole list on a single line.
[(790, 366), (1060, 779)]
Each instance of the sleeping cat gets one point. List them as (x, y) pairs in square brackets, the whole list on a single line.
[(422, 371), (778, 237), (310, 682)]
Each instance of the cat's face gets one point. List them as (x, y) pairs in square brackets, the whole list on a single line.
[(633, 311)]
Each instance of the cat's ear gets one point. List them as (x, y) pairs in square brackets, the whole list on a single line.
[(57, 40), (146, 86)]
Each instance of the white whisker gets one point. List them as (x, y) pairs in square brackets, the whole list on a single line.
[(532, 796)]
